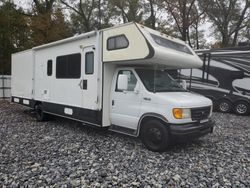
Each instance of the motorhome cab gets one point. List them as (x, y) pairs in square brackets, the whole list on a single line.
[(116, 78)]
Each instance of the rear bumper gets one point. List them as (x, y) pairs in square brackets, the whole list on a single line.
[(191, 130)]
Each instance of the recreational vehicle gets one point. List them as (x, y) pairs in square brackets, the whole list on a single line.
[(115, 78), (224, 78)]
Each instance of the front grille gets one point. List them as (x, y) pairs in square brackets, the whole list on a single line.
[(200, 113)]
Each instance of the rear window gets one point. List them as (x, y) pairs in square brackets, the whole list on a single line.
[(171, 44)]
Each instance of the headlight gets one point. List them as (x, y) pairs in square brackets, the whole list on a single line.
[(181, 113)]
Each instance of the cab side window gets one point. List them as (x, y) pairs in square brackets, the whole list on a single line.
[(117, 42), (131, 79)]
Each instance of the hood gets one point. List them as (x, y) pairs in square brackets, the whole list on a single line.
[(182, 99)]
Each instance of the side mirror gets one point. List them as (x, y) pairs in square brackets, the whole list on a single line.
[(184, 84), (122, 83)]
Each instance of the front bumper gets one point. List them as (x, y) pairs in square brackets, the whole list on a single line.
[(191, 130)]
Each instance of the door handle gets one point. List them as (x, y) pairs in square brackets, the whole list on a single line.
[(113, 102), (147, 98)]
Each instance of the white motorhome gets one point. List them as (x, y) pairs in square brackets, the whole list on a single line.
[(116, 78)]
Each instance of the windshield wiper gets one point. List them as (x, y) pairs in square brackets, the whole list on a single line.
[(170, 90)]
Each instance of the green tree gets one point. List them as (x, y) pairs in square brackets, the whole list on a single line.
[(47, 23), (14, 34)]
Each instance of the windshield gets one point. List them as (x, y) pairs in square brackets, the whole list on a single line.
[(158, 81)]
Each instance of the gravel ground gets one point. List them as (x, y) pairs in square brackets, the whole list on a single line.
[(62, 153)]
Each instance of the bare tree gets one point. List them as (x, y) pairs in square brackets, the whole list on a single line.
[(150, 8), (229, 17), (44, 7), (84, 9), (130, 10), (184, 14)]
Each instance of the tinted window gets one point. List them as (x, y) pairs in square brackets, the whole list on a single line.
[(68, 66), (131, 79), (171, 44), (117, 42), (49, 67), (89, 63)]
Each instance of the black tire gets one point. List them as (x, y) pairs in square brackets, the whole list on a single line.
[(40, 115), (241, 108), (224, 106), (155, 135)]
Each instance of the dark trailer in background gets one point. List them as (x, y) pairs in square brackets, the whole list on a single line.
[(224, 78)]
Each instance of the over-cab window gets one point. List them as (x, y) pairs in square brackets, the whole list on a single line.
[(131, 79), (68, 66), (171, 44), (49, 67), (117, 42), (89, 63)]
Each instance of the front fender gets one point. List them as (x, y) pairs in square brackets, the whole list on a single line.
[(150, 115)]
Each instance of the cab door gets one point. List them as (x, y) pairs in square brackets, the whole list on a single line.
[(125, 105)]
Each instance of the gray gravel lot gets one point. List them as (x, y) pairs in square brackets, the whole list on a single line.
[(62, 153)]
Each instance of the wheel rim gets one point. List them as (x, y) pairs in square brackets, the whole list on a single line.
[(224, 107), (154, 136), (241, 108)]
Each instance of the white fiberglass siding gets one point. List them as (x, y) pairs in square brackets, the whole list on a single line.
[(22, 74), (137, 45)]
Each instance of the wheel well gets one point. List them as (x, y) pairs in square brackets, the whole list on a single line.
[(224, 99), (211, 97), (37, 103), (147, 118), (241, 100)]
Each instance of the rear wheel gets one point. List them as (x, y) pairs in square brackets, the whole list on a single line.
[(241, 108), (224, 106), (40, 115), (155, 135)]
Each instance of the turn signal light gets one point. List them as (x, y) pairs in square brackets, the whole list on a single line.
[(177, 112), (182, 113)]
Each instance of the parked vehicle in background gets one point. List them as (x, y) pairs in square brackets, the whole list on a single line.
[(115, 78), (224, 78), (5, 86)]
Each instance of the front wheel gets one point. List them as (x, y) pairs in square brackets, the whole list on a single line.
[(241, 108), (155, 135)]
